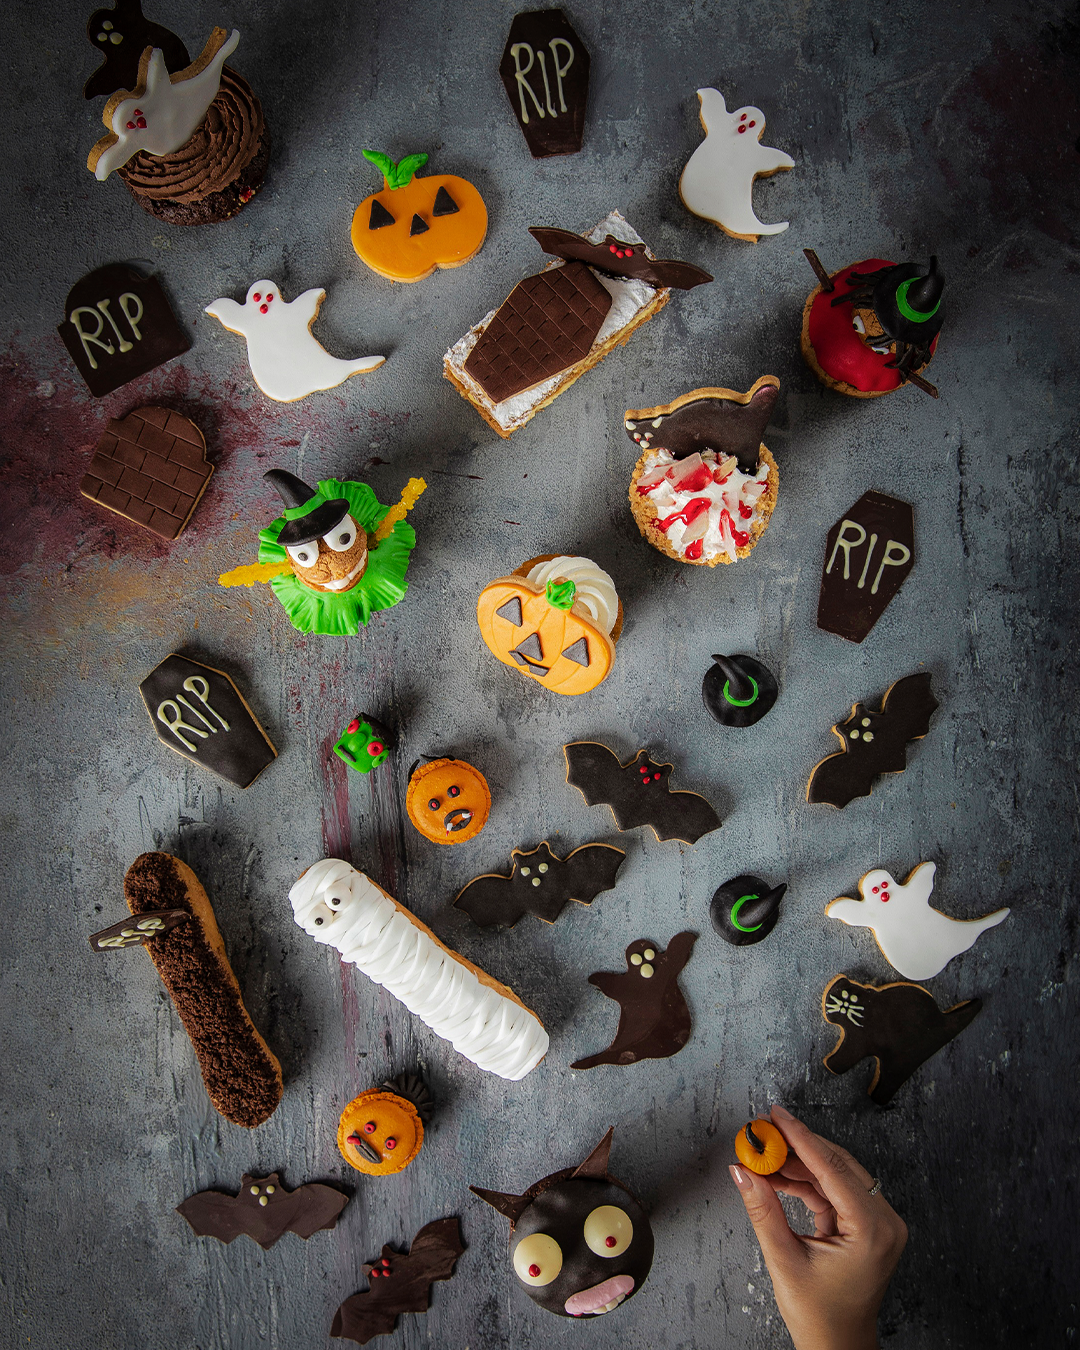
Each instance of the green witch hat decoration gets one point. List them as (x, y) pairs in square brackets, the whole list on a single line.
[(336, 554)]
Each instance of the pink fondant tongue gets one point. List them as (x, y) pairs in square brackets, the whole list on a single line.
[(591, 1300)]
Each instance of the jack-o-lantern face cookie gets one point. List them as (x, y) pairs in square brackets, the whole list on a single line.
[(556, 620), (380, 1132), (448, 800), (415, 225)]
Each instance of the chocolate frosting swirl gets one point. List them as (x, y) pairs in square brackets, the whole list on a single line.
[(223, 146)]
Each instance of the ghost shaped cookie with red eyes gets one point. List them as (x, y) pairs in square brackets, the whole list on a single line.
[(580, 1242)]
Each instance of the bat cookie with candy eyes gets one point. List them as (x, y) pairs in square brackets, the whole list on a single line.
[(264, 1210), (541, 883), (638, 793)]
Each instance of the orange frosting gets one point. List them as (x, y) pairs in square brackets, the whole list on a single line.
[(397, 1134)]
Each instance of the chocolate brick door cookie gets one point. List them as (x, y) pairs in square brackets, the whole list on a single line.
[(151, 468)]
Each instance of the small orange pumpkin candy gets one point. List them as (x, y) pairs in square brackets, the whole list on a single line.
[(415, 225), (448, 801), (537, 632), (761, 1147)]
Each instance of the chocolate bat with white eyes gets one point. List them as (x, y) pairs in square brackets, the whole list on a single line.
[(264, 1210), (541, 883)]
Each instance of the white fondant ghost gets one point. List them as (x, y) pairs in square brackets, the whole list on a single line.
[(164, 115), (285, 358), (917, 940), (718, 180)]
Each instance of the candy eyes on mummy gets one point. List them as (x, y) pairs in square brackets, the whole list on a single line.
[(340, 539), (333, 903), (538, 1258), (434, 803)]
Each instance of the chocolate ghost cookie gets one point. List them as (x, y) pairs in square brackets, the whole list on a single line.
[(121, 35)]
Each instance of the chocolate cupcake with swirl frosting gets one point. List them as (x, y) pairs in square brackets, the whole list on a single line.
[(192, 148)]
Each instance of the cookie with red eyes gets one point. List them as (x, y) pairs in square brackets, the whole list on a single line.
[(447, 800), (364, 744), (380, 1132), (580, 1242)]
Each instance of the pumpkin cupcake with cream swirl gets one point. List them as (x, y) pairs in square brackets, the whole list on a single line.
[(556, 620)]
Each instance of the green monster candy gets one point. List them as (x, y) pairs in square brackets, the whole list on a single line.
[(364, 744)]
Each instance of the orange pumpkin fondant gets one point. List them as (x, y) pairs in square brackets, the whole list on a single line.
[(761, 1147), (541, 632), (417, 224), (380, 1133), (448, 801)]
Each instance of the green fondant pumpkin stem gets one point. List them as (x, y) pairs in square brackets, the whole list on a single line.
[(561, 594), (396, 175)]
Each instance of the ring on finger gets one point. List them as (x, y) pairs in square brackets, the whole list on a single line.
[(875, 1188)]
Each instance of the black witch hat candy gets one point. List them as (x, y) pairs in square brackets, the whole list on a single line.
[(738, 690), (745, 909)]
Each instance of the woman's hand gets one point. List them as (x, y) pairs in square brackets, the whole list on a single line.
[(828, 1287)]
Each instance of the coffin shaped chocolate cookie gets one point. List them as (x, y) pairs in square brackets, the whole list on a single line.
[(117, 326), (869, 552), (198, 712), (545, 68)]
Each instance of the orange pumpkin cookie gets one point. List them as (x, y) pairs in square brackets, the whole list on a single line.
[(380, 1132), (417, 224), (761, 1147), (556, 620), (448, 800)]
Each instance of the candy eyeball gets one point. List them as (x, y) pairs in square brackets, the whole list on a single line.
[(608, 1231), (342, 537), (319, 918), (537, 1259), (304, 555)]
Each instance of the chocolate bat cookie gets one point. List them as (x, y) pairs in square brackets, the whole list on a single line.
[(620, 259), (874, 742), (638, 793), (900, 1025), (400, 1282), (654, 1022), (541, 883), (264, 1210)]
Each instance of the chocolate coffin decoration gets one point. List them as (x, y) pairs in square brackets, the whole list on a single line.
[(545, 69), (620, 259), (198, 712), (117, 326), (868, 553)]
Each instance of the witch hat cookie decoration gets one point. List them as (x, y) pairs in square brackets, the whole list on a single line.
[(415, 225), (745, 910), (916, 939), (872, 326), (738, 690), (335, 556), (718, 181), (287, 361)]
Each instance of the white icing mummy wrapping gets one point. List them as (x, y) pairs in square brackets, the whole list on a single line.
[(341, 907)]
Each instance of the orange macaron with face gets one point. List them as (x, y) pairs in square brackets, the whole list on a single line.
[(448, 800), (381, 1131)]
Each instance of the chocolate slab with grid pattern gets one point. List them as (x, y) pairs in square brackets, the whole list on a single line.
[(151, 468), (546, 324)]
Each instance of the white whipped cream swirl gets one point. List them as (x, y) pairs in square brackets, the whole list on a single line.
[(594, 589), (341, 907)]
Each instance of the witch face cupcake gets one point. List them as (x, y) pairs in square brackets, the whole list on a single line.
[(192, 147)]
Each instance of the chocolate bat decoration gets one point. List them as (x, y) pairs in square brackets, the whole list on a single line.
[(264, 1210), (654, 1021), (874, 742), (638, 793), (138, 931), (621, 260), (541, 883), (400, 1282), (721, 420)]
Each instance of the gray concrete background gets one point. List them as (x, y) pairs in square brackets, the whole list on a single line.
[(941, 127)]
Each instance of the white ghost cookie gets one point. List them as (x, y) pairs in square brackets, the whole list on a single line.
[(718, 180), (163, 111), (286, 360), (915, 939)]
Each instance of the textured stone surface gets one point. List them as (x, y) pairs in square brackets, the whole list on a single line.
[(904, 144)]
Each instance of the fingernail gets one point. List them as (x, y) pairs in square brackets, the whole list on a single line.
[(740, 1178), (784, 1115)]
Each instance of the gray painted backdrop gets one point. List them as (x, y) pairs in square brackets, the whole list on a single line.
[(904, 144)]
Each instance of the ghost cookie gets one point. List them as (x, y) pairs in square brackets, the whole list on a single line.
[(872, 326), (121, 35), (898, 1025), (718, 181), (415, 225), (541, 883), (917, 940), (654, 1021), (580, 1242), (705, 486), (287, 361), (555, 620), (335, 556)]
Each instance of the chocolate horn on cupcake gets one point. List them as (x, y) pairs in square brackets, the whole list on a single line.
[(738, 690)]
